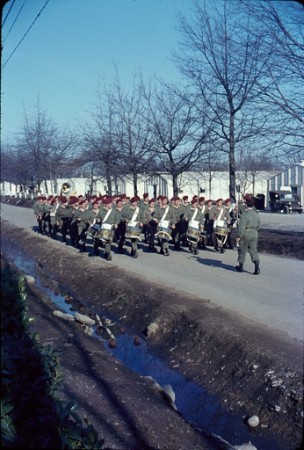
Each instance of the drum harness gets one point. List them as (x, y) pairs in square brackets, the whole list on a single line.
[(103, 220), (164, 218), (135, 214), (220, 241)]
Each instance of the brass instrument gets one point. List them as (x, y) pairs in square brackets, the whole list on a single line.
[(65, 189)]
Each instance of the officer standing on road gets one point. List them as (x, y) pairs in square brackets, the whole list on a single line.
[(249, 226)]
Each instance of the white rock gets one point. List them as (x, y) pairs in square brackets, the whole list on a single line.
[(84, 319), (170, 395), (152, 328), (248, 446), (253, 421), (30, 279), (63, 315)]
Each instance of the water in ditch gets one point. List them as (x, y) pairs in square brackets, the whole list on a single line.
[(194, 403)]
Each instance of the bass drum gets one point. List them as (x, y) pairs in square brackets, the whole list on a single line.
[(133, 231), (164, 231)]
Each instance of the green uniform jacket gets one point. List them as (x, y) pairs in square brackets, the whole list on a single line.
[(249, 223), (128, 212), (111, 219)]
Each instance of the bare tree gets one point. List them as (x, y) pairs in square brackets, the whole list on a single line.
[(135, 133), (211, 164), (100, 140), (15, 167), (223, 60), (178, 135), (45, 147), (283, 88)]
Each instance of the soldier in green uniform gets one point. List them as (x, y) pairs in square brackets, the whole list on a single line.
[(39, 210), (249, 226), (203, 207), (85, 217), (150, 224), (196, 221), (106, 216), (164, 216), (64, 215), (219, 213), (120, 230), (183, 226), (144, 205), (133, 214)]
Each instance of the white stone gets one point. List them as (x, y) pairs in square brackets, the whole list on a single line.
[(253, 421), (30, 279), (84, 319), (63, 315), (152, 328)]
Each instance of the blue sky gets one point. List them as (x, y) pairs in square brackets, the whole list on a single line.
[(73, 45)]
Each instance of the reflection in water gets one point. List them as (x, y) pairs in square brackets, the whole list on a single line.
[(193, 402)]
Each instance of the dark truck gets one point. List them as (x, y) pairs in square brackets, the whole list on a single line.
[(284, 201)]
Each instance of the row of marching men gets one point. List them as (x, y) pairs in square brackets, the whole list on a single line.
[(194, 223)]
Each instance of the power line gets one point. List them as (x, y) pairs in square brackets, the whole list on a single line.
[(8, 13), (32, 24), (14, 22)]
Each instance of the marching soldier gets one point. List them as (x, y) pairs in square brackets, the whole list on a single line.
[(249, 226), (85, 217), (64, 216), (209, 222), (185, 207), (165, 213), (73, 203), (39, 210), (133, 214), (196, 221), (120, 230), (106, 216), (203, 207), (219, 212), (150, 224), (144, 205), (233, 218)]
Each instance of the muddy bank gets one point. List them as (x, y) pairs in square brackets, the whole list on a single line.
[(247, 369)]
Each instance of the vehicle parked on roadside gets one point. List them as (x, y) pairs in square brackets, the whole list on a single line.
[(285, 202)]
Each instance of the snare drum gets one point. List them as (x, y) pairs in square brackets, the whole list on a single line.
[(193, 233), (105, 232), (221, 228), (93, 230), (164, 231), (133, 231)]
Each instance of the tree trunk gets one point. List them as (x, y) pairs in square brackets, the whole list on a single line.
[(109, 183), (135, 183), (175, 186), (232, 160)]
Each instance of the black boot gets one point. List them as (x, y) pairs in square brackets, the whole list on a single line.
[(239, 268), (108, 256), (256, 268)]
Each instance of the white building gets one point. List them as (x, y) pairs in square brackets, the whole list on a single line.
[(213, 185), (293, 177)]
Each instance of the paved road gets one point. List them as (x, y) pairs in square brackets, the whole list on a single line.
[(273, 299)]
